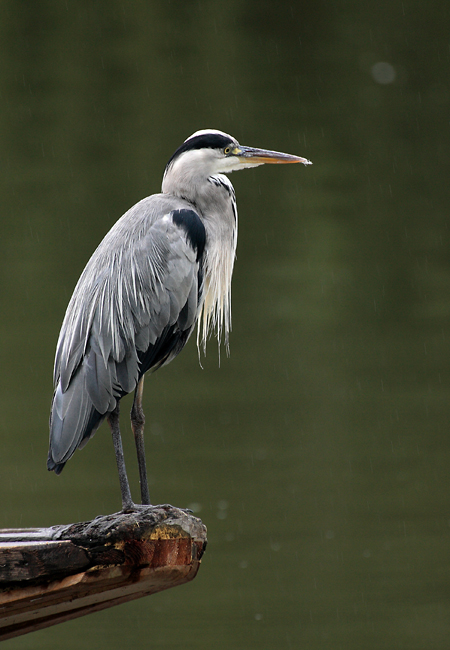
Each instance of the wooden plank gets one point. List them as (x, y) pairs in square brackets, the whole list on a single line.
[(52, 575)]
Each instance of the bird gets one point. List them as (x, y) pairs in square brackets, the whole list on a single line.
[(163, 268)]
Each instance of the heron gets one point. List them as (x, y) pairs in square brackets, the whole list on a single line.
[(163, 268)]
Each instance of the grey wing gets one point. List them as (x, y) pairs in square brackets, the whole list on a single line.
[(133, 310)]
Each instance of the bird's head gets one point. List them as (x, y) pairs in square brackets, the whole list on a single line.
[(209, 152)]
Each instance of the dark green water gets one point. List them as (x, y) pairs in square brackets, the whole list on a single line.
[(318, 453)]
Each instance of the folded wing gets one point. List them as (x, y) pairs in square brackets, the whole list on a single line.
[(132, 310)]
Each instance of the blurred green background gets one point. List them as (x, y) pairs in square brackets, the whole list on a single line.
[(318, 453)]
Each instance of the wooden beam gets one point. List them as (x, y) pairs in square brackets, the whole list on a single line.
[(51, 575)]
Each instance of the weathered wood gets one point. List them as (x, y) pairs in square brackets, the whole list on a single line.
[(51, 575)]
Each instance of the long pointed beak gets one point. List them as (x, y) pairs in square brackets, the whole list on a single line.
[(263, 156)]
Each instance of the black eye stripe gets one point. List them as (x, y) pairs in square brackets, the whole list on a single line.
[(203, 141)]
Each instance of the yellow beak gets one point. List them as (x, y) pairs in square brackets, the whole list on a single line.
[(263, 156)]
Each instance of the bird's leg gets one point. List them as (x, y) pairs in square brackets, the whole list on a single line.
[(137, 424), (113, 421)]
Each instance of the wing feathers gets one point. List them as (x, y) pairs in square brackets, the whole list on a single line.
[(133, 309)]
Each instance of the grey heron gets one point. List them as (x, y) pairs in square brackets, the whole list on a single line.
[(165, 266)]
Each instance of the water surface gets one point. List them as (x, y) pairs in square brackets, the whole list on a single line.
[(318, 453)]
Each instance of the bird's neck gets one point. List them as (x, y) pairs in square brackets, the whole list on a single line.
[(213, 199), (186, 185)]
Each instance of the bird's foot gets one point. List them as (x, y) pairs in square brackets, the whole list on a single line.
[(135, 507)]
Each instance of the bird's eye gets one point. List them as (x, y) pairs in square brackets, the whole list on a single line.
[(227, 150)]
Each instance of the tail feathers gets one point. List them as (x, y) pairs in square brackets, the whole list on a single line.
[(92, 393), (54, 467), (73, 421)]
